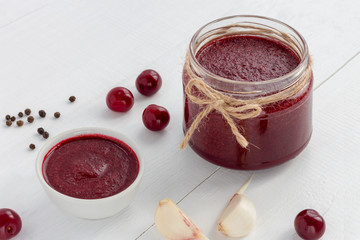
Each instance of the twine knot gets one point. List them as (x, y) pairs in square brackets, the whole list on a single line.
[(218, 103), (227, 106)]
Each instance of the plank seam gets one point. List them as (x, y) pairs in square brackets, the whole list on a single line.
[(338, 70), (23, 16), (204, 180)]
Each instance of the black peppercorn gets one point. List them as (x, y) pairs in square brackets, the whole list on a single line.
[(20, 114), (45, 135), (20, 123), (7, 117), (13, 118), (42, 113), (72, 99), (30, 119), (56, 114), (40, 130), (27, 111), (32, 146), (8, 123)]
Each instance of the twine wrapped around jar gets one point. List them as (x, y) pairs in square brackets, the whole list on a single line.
[(232, 108)]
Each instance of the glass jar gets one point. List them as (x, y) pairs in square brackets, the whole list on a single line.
[(282, 125)]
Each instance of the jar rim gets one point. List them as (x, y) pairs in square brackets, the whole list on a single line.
[(304, 57)]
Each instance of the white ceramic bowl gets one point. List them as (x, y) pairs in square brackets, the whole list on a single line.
[(90, 208)]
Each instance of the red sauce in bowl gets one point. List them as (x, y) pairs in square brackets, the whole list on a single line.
[(90, 166)]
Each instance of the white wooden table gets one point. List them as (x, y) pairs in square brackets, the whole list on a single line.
[(51, 49)]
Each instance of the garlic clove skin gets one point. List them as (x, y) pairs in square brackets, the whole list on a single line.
[(238, 218), (173, 223)]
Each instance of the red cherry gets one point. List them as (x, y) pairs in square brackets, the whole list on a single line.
[(309, 224), (10, 223), (120, 99), (148, 82), (155, 117)]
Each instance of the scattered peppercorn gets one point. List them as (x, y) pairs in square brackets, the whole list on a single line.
[(40, 130), (27, 111), (72, 99), (7, 117), (42, 113), (20, 123), (57, 114), (32, 146), (13, 118), (30, 119), (45, 135), (20, 114), (8, 123)]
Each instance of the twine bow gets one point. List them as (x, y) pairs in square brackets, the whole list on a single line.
[(228, 107)]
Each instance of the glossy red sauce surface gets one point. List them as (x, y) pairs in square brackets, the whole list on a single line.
[(282, 130), (90, 166)]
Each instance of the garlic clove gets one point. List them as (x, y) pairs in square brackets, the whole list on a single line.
[(239, 216), (173, 223)]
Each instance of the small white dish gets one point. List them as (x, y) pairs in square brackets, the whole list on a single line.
[(90, 208)]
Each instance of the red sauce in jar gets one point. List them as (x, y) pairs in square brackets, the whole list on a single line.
[(90, 166), (281, 131), (246, 58)]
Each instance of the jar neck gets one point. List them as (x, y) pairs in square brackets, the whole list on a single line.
[(256, 26)]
